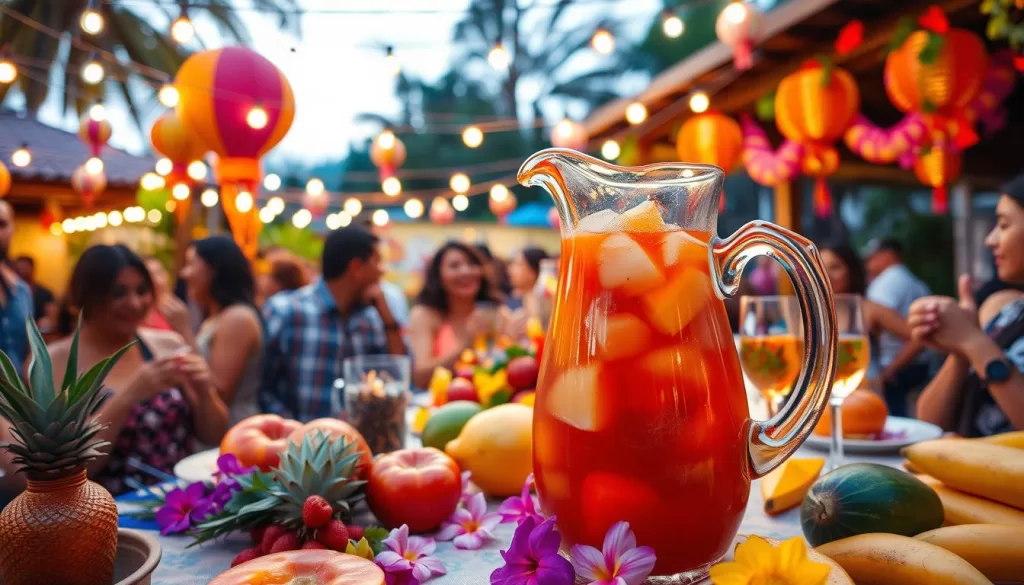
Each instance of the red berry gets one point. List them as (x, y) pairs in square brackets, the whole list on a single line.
[(246, 555), (270, 535), (256, 534), (289, 541), (312, 544), (356, 532), (334, 536), (316, 511)]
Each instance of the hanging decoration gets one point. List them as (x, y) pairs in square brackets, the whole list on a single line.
[(441, 211), (570, 134), (987, 107), (50, 214), (814, 106), (711, 138), (739, 27), (883, 146), (388, 153), (178, 144), (5, 180), (503, 206), (241, 106), (94, 131), (765, 166), (937, 167), (88, 185)]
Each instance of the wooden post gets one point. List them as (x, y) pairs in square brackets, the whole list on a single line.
[(787, 215)]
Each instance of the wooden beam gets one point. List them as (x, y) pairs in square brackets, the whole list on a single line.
[(788, 215)]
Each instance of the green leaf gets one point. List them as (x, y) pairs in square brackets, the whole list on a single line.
[(516, 351), (260, 506), (375, 533), (71, 369), (906, 26), (987, 6), (40, 369), (765, 107), (997, 25), (96, 381), (498, 398), (932, 49), (928, 107), (826, 70)]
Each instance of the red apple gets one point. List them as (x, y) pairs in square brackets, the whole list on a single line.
[(464, 372), (462, 389), (522, 372)]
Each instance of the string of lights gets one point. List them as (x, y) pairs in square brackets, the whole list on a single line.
[(253, 7)]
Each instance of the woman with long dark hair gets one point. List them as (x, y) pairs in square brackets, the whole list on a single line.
[(220, 281), (161, 399), (456, 305)]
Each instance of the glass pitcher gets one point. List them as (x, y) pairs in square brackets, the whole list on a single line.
[(641, 413)]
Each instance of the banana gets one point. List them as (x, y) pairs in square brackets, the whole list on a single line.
[(994, 549), (910, 467), (961, 508), (1013, 439), (891, 559), (991, 471)]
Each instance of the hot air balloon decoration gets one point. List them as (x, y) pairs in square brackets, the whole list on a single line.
[(94, 131), (711, 138), (88, 185), (241, 106), (387, 153)]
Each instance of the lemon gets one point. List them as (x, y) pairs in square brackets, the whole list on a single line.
[(496, 446)]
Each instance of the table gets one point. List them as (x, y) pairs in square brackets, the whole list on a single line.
[(198, 565)]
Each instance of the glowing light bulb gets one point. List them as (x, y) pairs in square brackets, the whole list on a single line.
[(473, 136), (352, 206), (80, 224), (344, 218), (499, 58), (257, 118), (101, 219), (603, 42), (182, 30), (181, 192), (209, 198), (413, 208), (459, 183), (196, 170), (275, 205), (244, 202), (499, 193), (97, 112), (154, 216), (91, 22), (565, 128), (332, 221), (171, 205), (699, 102), (21, 157), (164, 166), (636, 113), (673, 26), (302, 218), (68, 225), (315, 187), (272, 182), (168, 95), (380, 218), (115, 218), (8, 73), (391, 186), (391, 62), (93, 72), (440, 204), (267, 215), (687, 173), (610, 150), (735, 12), (94, 166), (386, 140), (152, 182), (460, 202)]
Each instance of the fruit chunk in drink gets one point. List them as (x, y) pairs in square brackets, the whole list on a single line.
[(640, 412)]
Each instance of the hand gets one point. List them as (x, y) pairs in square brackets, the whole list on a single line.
[(194, 372), (176, 313), (944, 323), (153, 378), (481, 322)]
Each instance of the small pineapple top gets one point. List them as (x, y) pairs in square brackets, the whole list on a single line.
[(53, 427)]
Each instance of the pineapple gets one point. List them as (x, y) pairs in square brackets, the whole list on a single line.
[(55, 437), (319, 466)]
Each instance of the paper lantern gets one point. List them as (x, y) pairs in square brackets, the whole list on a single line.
[(240, 105), (938, 167), (5, 180), (94, 132), (50, 214), (569, 134), (945, 86), (441, 211), (815, 111), (88, 185), (171, 138), (554, 219), (502, 207), (766, 166), (387, 153), (739, 27), (711, 138)]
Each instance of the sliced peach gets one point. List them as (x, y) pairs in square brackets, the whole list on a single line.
[(600, 222), (680, 247), (623, 264), (621, 336), (645, 217), (576, 399), (670, 308)]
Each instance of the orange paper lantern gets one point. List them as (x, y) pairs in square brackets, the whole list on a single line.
[(711, 138), (88, 185), (388, 153), (938, 167), (171, 138), (5, 180), (946, 86)]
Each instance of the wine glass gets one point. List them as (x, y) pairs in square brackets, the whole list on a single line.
[(851, 365), (771, 346)]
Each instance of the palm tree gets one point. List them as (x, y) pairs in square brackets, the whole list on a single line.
[(127, 36)]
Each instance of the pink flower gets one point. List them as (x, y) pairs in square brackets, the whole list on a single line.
[(532, 558), (518, 508), (467, 490), (621, 562), (397, 571), (470, 526), (414, 549)]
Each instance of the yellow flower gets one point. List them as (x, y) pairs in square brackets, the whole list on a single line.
[(759, 563), (360, 549), (439, 385), (487, 385)]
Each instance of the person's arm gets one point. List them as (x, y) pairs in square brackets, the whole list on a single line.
[(980, 350), (940, 399), (424, 324), (392, 329), (209, 411), (884, 319), (177, 315), (236, 338)]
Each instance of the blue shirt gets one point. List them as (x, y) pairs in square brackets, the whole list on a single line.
[(14, 316), (306, 341), (897, 288)]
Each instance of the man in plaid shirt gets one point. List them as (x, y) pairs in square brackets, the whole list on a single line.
[(312, 329)]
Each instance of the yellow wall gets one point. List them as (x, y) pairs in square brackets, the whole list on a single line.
[(50, 252)]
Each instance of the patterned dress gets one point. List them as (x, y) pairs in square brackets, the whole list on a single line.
[(158, 432)]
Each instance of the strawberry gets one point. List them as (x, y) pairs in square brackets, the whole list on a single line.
[(312, 544), (256, 534), (334, 536), (316, 511), (356, 532), (246, 555), (288, 541), (270, 535)]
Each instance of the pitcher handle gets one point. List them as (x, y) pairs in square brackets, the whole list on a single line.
[(771, 442)]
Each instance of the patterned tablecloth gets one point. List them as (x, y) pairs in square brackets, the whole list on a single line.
[(198, 565)]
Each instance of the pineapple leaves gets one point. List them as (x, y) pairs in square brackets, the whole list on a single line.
[(71, 369), (40, 369), (92, 381)]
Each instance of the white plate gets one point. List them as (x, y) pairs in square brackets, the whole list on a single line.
[(198, 466), (914, 431)]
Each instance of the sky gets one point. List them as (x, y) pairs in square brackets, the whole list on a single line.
[(337, 66)]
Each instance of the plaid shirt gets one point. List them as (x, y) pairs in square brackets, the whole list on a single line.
[(307, 339)]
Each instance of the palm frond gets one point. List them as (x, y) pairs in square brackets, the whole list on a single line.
[(227, 20)]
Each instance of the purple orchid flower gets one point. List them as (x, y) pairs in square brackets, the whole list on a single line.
[(532, 558), (228, 466), (467, 490), (621, 562), (182, 507), (397, 570), (518, 508), (222, 493), (415, 549), (470, 526)]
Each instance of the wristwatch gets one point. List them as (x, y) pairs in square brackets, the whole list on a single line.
[(998, 370)]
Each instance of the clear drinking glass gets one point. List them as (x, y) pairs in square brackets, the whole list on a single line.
[(376, 391), (771, 346), (852, 362)]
